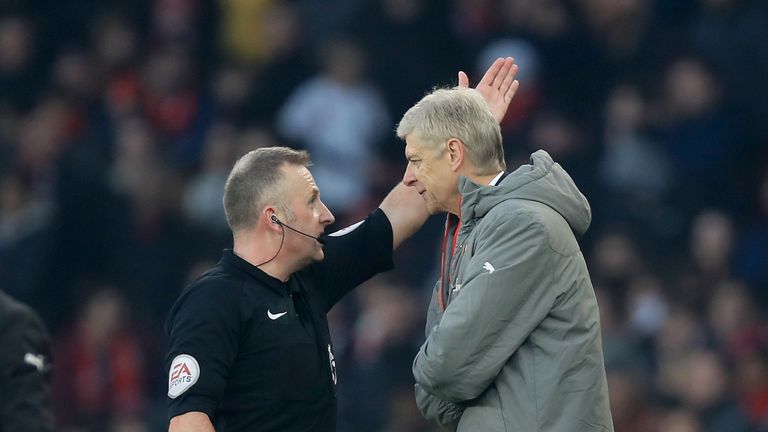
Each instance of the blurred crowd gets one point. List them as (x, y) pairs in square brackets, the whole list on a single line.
[(119, 122)]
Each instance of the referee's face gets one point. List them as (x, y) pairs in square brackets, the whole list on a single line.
[(311, 214)]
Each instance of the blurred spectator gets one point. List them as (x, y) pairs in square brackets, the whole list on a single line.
[(287, 63), (231, 87), (339, 116), (622, 348), (19, 79), (567, 142), (680, 421), (627, 391), (622, 32), (632, 168), (711, 245), (116, 50), (243, 33), (732, 35), (616, 260), (205, 192), (647, 306), (25, 225), (751, 371), (100, 378), (402, 415), (171, 102), (705, 388), (697, 135), (413, 33), (382, 347), (752, 249)]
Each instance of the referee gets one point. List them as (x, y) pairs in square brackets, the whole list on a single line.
[(250, 348)]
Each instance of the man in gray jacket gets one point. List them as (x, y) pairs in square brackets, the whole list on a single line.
[(513, 333)]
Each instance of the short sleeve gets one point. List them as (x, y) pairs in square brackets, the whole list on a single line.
[(353, 255), (204, 328)]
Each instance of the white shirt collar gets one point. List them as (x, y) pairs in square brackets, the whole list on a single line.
[(496, 179)]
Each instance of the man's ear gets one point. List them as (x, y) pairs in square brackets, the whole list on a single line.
[(455, 149), (270, 218)]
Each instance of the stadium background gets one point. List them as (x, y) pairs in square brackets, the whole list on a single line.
[(119, 121)]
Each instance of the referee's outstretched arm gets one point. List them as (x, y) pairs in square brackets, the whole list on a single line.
[(194, 421)]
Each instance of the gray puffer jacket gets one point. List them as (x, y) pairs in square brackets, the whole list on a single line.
[(513, 335)]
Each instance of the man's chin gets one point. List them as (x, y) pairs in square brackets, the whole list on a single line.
[(319, 256), (432, 209)]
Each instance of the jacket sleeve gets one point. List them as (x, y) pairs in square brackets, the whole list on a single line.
[(444, 414), (505, 294), (25, 366)]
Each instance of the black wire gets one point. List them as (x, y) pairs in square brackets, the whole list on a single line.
[(282, 239)]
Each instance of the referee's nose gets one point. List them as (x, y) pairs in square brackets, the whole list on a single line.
[(326, 217)]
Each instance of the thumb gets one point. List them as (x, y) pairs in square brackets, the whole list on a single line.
[(463, 79)]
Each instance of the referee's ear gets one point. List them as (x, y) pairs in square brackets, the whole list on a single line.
[(271, 219)]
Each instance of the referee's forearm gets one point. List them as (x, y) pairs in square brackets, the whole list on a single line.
[(191, 422), (406, 212)]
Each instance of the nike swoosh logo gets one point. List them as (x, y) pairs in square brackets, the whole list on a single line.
[(275, 316)]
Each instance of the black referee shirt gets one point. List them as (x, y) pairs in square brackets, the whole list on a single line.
[(255, 353)]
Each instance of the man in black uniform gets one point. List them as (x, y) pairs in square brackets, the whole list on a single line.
[(25, 369), (250, 348)]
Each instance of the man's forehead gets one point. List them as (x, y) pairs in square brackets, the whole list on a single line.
[(413, 146), (300, 177), (307, 175)]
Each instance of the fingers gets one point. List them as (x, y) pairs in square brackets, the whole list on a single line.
[(511, 91), (463, 79), (508, 79), (492, 72), (506, 67)]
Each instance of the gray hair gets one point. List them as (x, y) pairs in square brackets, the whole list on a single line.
[(254, 181), (460, 113)]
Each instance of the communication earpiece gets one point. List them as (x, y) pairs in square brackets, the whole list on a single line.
[(321, 239)]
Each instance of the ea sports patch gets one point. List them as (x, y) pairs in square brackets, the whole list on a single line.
[(183, 374)]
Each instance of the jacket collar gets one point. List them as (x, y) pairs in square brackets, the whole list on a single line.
[(542, 181)]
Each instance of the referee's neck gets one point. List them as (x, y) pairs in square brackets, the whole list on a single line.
[(265, 253)]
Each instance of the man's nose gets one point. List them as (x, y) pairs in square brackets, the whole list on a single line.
[(409, 178), (326, 217)]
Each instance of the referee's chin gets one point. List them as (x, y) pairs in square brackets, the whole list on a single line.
[(319, 254)]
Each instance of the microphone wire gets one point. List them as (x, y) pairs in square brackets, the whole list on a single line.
[(282, 240)]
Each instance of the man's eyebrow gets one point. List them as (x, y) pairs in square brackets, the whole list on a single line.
[(314, 194)]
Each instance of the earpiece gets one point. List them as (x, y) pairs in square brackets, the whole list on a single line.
[(320, 239)]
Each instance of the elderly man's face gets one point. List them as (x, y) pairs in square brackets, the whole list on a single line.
[(429, 171)]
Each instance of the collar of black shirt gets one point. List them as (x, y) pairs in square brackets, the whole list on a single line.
[(230, 258)]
